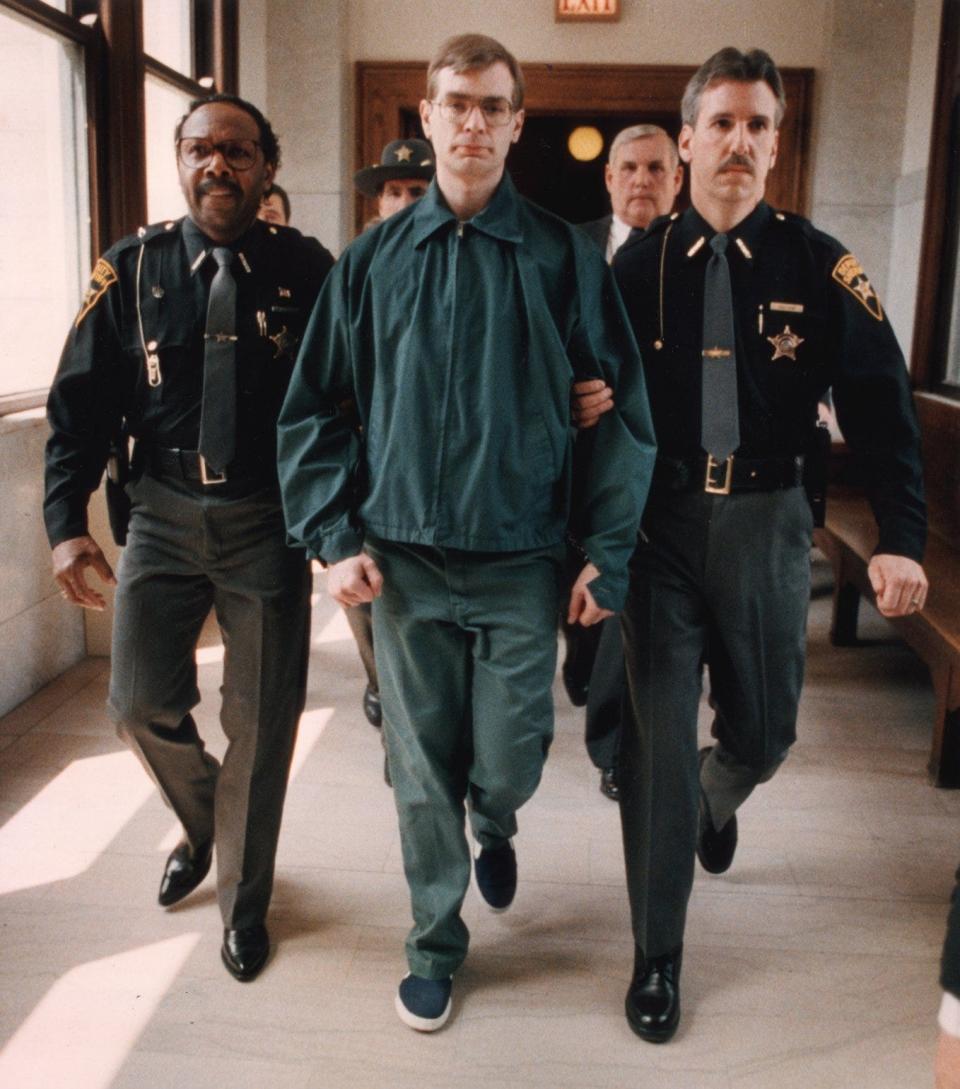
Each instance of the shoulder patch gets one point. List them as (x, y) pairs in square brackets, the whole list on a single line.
[(103, 275), (849, 272)]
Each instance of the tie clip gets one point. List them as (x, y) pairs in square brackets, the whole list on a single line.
[(220, 338), (716, 353)]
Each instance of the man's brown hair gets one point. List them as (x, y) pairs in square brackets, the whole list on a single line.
[(465, 52)]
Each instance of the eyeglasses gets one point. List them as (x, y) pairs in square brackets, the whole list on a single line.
[(197, 153), (496, 111)]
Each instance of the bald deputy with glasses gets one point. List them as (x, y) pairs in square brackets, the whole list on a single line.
[(458, 326), (185, 342)]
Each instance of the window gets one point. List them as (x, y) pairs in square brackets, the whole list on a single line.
[(44, 199), (165, 105), (168, 34), (90, 93)]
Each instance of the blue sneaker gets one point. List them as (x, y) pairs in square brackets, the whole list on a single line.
[(496, 870), (424, 1004)]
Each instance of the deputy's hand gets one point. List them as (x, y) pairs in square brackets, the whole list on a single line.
[(70, 559), (899, 583), (354, 580), (947, 1066), (582, 606), (590, 400)]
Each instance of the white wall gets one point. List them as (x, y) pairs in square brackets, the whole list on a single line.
[(859, 134), (911, 185), (650, 31), (40, 635), (309, 102)]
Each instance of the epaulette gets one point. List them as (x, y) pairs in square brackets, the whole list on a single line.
[(143, 235), (795, 221), (154, 230), (660, 224)]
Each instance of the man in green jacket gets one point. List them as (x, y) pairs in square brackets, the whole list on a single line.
[(457, 327)]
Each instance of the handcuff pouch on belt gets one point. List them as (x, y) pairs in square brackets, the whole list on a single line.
[(117, 478), (816, 472)]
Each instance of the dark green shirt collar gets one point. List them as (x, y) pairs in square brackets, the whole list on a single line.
[(500, 219)]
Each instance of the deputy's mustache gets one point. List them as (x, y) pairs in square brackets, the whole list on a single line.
[(737, 160), (219, 183)]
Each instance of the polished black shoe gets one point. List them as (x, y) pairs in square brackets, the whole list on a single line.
[(244, 952), (609, 787), (653, 1000), (185, 869), (372, 708), (714, 849)]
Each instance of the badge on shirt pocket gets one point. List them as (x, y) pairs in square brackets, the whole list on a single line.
[(785, 344)]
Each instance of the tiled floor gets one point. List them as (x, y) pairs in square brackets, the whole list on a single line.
[(811, 965)]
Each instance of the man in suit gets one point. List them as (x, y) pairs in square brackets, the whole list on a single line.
[(643, 176)]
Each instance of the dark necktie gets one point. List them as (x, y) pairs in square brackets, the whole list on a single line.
[(720, 427), (218, 416)]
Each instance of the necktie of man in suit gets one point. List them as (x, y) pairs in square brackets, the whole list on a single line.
[(218, 415), (720, 415)]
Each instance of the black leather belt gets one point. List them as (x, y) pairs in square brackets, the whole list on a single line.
[(188, 465), (736, 474)]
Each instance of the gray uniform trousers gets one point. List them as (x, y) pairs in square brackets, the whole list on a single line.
[(731, 572), (606, 695), (466, 652), (190, 548)]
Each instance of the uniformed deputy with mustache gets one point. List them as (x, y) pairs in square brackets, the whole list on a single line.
[(744, 317), (186, 341)]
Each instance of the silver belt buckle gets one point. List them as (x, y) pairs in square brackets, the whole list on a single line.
[(208, 476)]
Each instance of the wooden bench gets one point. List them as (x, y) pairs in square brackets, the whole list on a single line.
[(848, 540)]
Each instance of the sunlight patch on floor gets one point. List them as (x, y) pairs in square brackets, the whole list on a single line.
[(81, 1032), (61, 831), (335, 630)]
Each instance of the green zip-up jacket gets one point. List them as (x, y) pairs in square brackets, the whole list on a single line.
[(459, 344)]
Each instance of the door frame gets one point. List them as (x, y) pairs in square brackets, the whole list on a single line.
[(384, 89)]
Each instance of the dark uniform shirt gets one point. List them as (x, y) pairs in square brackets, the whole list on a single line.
[(144, 363), (806, 319)]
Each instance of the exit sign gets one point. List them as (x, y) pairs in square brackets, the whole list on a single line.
[(587, 10)]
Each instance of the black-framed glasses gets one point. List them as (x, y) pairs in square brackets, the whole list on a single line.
[(196, 153), (457, 108)]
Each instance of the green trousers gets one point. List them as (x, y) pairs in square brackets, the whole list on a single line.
[(466, 652)]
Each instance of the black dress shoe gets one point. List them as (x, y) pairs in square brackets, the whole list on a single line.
[(244, 952), (653, 1000), (609, 787), (714, 849), (371, 707), (185, 869)]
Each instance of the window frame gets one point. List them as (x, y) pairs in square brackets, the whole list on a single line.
[(941, 223), (110, 33)]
